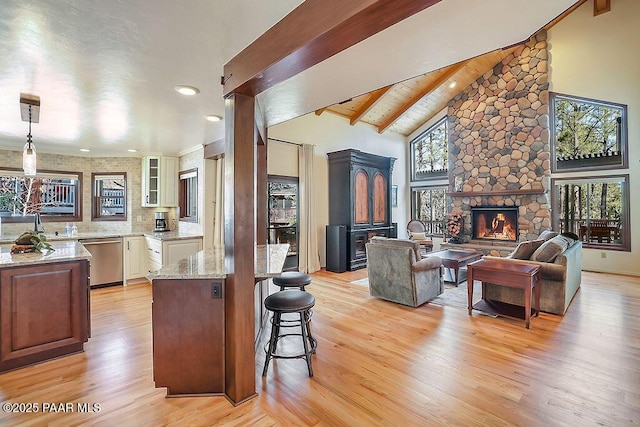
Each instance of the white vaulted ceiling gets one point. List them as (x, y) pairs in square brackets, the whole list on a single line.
[(105, 70)]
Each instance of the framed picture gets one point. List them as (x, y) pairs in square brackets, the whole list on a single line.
[(394, 196)]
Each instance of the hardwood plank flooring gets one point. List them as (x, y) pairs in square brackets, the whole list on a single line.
[(378, 363)]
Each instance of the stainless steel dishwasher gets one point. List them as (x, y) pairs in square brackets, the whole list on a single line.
[(106, 261)]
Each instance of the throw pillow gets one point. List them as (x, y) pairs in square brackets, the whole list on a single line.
[(547, 234), (571, 235), (418, 236), (549, 250), (525, 249)]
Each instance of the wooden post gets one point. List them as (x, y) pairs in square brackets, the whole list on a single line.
[(239, 237)]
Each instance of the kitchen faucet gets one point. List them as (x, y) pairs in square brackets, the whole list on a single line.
[(36, 222)]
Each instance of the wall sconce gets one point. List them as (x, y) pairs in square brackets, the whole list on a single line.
[(30, 112)]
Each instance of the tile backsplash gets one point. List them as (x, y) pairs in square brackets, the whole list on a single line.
[(139, 219)]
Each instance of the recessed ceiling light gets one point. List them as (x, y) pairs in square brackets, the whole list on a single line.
[(213, 117), (132, 150), (85, 150), (452, 85), (187, 90)]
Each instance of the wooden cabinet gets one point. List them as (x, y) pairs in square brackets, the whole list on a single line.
[(188, 336), (165, 252), (360, 200), (44, 312), (159, 181), (134, 258)]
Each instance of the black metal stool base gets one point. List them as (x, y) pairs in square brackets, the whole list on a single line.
[(298, 302)]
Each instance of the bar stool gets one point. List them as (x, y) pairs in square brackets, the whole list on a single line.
[(291, 301), (292, 279), (297, 280)]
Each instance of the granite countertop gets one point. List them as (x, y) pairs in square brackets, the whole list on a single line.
[(51, 237), (171, 235), (210, 264), (64, 251)]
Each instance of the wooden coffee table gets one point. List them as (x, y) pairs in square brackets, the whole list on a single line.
[(456, 259), (505, 273)]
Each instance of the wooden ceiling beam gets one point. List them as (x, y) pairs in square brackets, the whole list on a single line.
[(320, 111), (312, 32), (373, 100), (601, 6), (450, 72), (564, 14)]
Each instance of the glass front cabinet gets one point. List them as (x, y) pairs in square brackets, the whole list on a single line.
[(282, 199)]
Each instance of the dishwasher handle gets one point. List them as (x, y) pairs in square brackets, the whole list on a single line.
[(99, 242)]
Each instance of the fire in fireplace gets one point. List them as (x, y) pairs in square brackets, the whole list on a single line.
[(494, 223)]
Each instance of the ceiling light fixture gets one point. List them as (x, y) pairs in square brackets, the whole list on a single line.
[(452, 85), (132, 150), (187, 90), (85, 150), (30, 111), (213, 117)]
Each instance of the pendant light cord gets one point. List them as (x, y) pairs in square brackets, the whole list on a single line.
[(29, 134)]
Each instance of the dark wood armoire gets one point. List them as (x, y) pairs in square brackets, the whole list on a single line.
[(359, 206)]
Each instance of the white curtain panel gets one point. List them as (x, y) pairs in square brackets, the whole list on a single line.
[(218, 218), (308, 257)]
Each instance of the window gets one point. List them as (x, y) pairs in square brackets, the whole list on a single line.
[(596, 209), (54, 195), (428, 204), (109, 202), (587, 134), (188, 194), (429, 154)]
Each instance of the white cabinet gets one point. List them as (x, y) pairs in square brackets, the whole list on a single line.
[(134, 258), (160, 181), (175, 250), (165, 252), (169, 181)]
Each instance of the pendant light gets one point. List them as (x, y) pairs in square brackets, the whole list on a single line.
[(30, 111)]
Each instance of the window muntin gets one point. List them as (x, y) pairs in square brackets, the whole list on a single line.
[(54, 195), (109, 201), (429, 205), (429, 153), (587, 134), (596, 209), (188, 195)]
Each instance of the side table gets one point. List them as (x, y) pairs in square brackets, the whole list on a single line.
[(506, 273)]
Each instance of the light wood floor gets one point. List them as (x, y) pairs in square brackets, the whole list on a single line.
[(378, 363)]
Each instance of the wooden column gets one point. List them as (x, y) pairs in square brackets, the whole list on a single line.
[(262, 212), (239, 235)]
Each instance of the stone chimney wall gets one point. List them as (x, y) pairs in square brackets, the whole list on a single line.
[(499, 139)]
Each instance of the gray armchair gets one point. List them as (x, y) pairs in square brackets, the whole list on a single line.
[(397, 273)]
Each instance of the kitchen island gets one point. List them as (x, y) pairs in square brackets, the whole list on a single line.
[(188, 318), (44, 304)]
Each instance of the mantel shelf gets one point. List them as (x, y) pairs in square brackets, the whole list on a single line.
[(495, 192)]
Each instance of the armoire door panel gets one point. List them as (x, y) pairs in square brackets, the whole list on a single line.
[(361, 189)]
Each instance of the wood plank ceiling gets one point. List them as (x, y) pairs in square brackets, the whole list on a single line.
[(405, 106)]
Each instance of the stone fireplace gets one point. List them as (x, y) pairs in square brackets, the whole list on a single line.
[(499, 147), (494, 223)]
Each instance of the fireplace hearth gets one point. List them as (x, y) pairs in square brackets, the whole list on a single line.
[(494, 223)]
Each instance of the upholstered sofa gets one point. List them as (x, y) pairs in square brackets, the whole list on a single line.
[(560, 261), (398, 273)]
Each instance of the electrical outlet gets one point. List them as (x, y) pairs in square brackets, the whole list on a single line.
[(603, 254), (139, 218), (216, 290)]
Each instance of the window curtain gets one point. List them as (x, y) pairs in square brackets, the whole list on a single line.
[(218, 213), (308, 257)]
